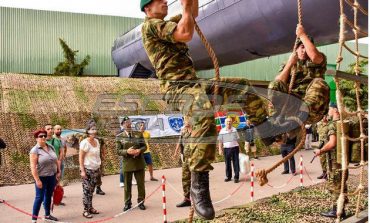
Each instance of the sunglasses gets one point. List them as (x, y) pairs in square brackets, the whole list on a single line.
[(41, 136)]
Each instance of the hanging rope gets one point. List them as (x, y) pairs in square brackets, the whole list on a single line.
[(191, 213), (213, 57), (300, 22), (343, 20), (356, 5), (262, 174)]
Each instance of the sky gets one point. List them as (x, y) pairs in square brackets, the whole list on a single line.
[(126, 8)]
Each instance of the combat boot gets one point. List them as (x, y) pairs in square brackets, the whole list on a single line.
[(200, 195), (333, 213), (322, 176), (185, 203), (99, 191)]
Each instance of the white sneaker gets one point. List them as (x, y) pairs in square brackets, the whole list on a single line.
[(121, 184), (134, 182)]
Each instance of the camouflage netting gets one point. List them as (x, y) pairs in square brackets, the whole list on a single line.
[(28, 102)]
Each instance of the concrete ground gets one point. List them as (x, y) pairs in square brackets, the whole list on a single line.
[(111, 204)]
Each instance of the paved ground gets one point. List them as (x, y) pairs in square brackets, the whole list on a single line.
[(112, 203)]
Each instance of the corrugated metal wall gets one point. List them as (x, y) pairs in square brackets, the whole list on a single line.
[(29, 39), (29, 44), (266, 69)]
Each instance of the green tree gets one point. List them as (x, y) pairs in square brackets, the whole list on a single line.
[(348, 89), (69, 66)]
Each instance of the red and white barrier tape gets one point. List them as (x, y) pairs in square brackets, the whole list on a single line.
[(313, 181), (215, 202), (164, 199), (283, 185), (301, 171), (97, 221), (252, 182)]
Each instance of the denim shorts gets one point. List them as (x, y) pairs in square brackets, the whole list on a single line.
[(148, 158)]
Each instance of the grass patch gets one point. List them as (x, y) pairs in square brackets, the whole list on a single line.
[(19, 158), (27, 121), (20, 101), (299, 205), (80, 92), (57, 120)]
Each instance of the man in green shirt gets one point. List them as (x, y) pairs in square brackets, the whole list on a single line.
[(56, 143)]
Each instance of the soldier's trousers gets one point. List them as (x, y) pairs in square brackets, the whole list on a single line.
[(334, 183), (140, 178), (193, 101), (315, 96), (98, 179), (323, 162), (186, 174)]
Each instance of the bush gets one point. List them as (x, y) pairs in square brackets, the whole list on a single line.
[(69, 66)]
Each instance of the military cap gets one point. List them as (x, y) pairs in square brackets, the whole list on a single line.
[(143, 3), (333, 104), (125, 119)]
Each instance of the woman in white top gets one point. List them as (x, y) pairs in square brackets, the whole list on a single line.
[(90, 162)]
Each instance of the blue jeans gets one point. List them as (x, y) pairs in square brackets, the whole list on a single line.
[(121, 175), (62, 170), (43, 195), (285, 150)]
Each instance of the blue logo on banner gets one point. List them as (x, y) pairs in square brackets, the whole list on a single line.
[(176, 123)]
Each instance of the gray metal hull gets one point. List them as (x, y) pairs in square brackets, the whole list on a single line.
[(242, 30)]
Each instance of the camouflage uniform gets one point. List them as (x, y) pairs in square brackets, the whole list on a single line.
[(175, 68), (335, 169), (186, 175), (309, 86), (322, 129), (101, 172)]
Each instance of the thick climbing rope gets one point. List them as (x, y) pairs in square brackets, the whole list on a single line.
[(216, 66), (213, 57), (191, 213), (360, 113), (262, 174), (300, 22)]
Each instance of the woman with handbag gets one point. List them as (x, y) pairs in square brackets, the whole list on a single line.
[(45, 171)]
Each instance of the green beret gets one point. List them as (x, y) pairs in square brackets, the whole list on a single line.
[(332, 104), (143, 3)]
